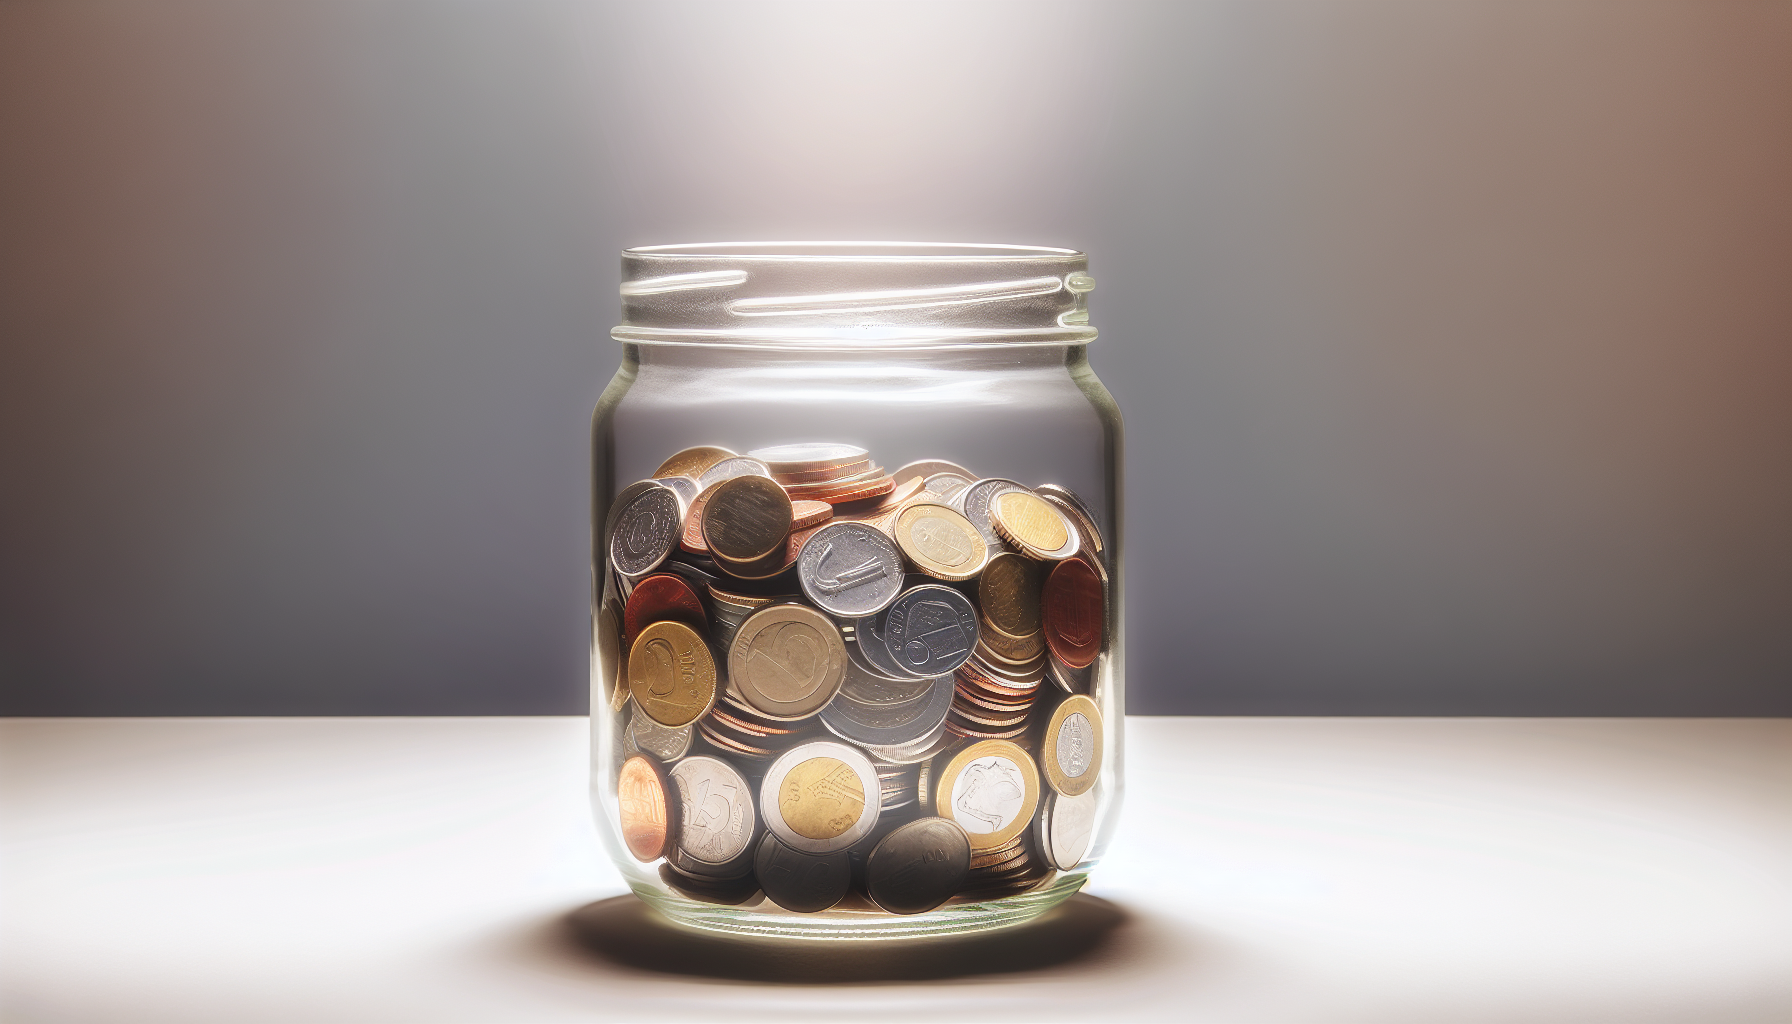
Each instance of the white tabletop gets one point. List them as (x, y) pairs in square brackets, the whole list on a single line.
[(1374, 870)]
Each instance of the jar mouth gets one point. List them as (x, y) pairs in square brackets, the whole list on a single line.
[(854, 294)]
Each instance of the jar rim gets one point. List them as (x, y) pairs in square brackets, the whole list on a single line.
[(881, 251)]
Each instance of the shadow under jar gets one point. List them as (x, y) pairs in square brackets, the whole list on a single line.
[(857, 662)]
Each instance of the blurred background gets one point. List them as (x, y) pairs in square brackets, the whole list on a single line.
[(1455, 338)]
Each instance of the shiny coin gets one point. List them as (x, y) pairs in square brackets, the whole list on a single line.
[(940, 542), (1075, 610), (729, 468), (646, 529), (974, 502), (850, 570), (692, 461), (671, 674), (991, 788), (1065, 826), (661, 596), (923, 749), (873, 647), (1008, 594), (1071, 754), (930, 630), (803, 883), (746, 519), (947, 485), (820, 797), (804, 514), (647, 806), (918, 866), (1033, 525), (850, 469), (887, 725), (808, 457), (1072, 504), (878, 690), (665, 743), (685, 487), (718, 823), (787, 661), (924, 468)]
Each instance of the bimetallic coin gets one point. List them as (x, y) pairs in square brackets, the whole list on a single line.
[(803, 883), (646, 804), (918, 866), (646, 529), (940, 542), (924, 468), (1071, 752), (665, 743), (1065, 826), (991, 788), (974, 502), (718, 823), (729, 468), (1033, 525), (1008, 594), (746, 519), (671, 674), (890, 724), (808, 457), (660, 597), (930, 630), (820, 797), (1072, 504), (849, 570), (692, 461), (787, 661), (1075, 607)]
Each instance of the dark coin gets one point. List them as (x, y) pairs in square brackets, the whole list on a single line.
[(746, 519), (1074, 609), (660, 597), (919, 866), (727, 892), (930, 630), (801, 882)]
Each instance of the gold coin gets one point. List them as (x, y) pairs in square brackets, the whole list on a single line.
[(991, 789), (692, 461), (645, 805), (940, 542), (611, 656), (1033, 525), (787, 661), (821, 798), (1008, 594), (671, 674), (1071, 752)]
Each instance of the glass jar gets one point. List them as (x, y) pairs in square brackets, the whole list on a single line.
[(857, 661)]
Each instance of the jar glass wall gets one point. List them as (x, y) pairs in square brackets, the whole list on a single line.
[(857, 663)]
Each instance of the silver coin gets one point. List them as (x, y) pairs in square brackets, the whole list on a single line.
[(662, 741), (850, 570), (809, 456), (921, 469), (923, 749), (1070, 680), (879, 690), (974, 501), (873, 647), (924, 782), (918, 866), (728, 469), (890, 725), (947, 485), (1064, 827), (647, 529), (930, 630), (683, 486), (771, 796), (1075, 746), (716, 837)]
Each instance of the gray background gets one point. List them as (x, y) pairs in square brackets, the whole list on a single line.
[(1455, 338)]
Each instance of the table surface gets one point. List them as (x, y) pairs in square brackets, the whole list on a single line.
[(446, 869)]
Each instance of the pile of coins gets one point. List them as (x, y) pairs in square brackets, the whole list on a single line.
[(834, 677)]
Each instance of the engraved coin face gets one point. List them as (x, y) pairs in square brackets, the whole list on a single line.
[(1071, 753), (849, 570), (746, 519), (692, 461), (718, 820), (820, 797), (671, 673), (803, 883), (665, 743), (1033, 525), (872, 647), (646, 530), (1008, 592), (1075, 612), (729, 468), (940, 542), (918, 866), (991, 789), (644, 804), (974, 502), (787, 661), (1068, 829), (930, 630)]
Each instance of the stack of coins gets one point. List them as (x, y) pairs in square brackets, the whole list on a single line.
[(833, 677)]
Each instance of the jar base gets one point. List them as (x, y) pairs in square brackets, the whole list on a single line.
[(761, 918)]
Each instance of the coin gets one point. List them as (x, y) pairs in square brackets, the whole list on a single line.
[(685, 487), (671, 673), (991, 789), (729, 468), (1071, 750), (665, 743), (815, 797), (890, 724), (1075, 609), (1033, 525), (611, 654), (918, 866), (850, 570), (692, 461), (718, 823), (746, 519), (924, 468), (1070, 680), (940, 542), (1065, 826), (1072, 504), (804, 514), (727, 892), (974, 501), (877, 690), (646, 529), (646, 805), (787, 661), (930, 630), (804, 883), (873, 647), (659, 597), (808, 457), (947, 485), (1008, 594)]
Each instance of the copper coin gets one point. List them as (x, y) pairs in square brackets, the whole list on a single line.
[(692, 461), (804, 514), (882, 485), (647, 806), (1074, 613), (659, 597), (821, 475), (746, 519)]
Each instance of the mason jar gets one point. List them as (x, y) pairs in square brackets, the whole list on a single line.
[(857, 660)]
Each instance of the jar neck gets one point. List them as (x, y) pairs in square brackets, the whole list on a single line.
[(847, 361)]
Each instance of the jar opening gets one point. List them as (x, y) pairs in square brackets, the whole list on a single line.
[(855, 251)]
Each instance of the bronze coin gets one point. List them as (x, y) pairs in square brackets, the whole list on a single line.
[(871, 489), (671, 673), (1008, 593), (692, 461), (814, 476), (1074, 613), (646, 805), (659, 597), (746, 519), (804, 514)]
